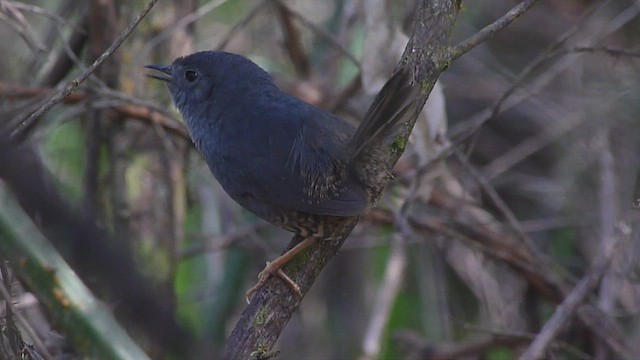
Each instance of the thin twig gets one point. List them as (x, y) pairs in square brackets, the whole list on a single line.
[(241, 23), (555, 222), (470, 126), (419, 348), (293, 41), (547, 136), (185, 21), (570, 305), (491, 29), (513, 222), (320, 32), (387, 292), (600, 49), (73, 84), (24, 323), (14, 18), (222, 241), (37, 10), (128, 106), (608, 215), (540, 276), (573, 351)]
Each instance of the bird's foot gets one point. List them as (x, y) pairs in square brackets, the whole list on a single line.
[(273, 268)]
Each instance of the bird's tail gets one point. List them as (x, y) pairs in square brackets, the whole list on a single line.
[(394, 102)]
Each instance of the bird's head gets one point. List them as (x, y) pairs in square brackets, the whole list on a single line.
[(203, 82)]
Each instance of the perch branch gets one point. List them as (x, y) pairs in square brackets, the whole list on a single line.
[(271, 308)]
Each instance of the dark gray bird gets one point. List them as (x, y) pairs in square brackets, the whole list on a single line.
[(281, 158)]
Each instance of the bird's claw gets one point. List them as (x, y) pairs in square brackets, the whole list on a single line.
[(264, 275)]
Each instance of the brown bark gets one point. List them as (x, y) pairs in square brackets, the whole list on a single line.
[(271, 308)]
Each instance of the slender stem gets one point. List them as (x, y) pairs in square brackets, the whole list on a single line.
[(491, 29), (73, 84)]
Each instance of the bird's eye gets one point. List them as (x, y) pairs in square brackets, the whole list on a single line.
[(190, 75)]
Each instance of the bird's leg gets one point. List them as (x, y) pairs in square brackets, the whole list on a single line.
[(274, 268)]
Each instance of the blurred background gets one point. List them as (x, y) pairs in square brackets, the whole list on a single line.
[(521, 173)]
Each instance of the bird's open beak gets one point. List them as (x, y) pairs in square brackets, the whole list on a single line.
[(166, 69)]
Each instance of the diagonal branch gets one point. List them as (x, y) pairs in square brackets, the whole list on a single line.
[(264, 319), (92, 328), (569, 306), (491, 29), (73, 84), (127, 107)]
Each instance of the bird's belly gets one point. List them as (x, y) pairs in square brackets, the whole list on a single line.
[(298, 222), (234, 182)]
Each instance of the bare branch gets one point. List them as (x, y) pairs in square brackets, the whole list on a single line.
[(182, 22), (57, 285), (241, 23), (10, 14), (73, 84), (600, 49), (12, 311), (128, 107), (293, 41), (385, 297), (320, 32), (470, 126), (491, 29), (271, 308), (570, 305)]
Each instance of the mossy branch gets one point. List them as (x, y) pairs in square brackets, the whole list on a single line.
[(88, 322), (271, 308)]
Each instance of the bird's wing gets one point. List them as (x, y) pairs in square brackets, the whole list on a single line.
[(301, 165)]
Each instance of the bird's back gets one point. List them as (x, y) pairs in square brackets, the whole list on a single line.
[(277, 155)]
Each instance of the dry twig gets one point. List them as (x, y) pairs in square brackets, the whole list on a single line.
[(72, 85), (569, 306)]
